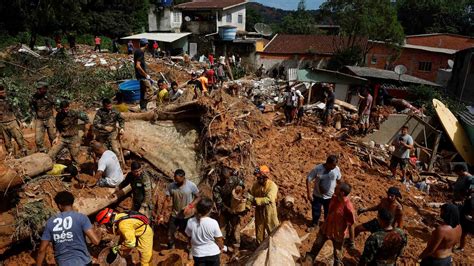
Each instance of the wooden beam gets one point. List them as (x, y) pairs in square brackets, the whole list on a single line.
[(435, 151)]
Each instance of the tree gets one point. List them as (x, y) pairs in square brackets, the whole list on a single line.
[(252, 17), (445, 16), (363, 20), (299, 22)]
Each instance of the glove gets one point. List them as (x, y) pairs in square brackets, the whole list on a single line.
[(115, 249), (148, 77), (121, 131)]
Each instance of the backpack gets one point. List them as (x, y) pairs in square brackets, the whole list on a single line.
[(134, 215)]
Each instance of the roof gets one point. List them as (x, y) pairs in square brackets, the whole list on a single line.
[(437, 34), (421, 47), (160, 36), (430, 49), (367, 72), (210, 4), (304, 44), (324, 75)]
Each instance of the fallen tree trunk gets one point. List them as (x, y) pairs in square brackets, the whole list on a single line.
[(183, 111), (12, 175)]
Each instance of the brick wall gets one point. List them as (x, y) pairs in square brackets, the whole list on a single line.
[(380, 56), (447, 41)]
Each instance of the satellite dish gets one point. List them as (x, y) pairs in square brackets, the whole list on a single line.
[(400, 70), (263, 29), (187, 18), (450, 63)]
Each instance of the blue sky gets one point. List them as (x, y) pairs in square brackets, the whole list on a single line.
[(290, 4)]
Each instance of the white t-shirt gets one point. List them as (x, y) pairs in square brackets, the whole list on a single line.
[(110, 165), (202, 234), (326, 180)]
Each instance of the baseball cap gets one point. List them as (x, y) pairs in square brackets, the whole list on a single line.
[(394, 191), (143, 41)]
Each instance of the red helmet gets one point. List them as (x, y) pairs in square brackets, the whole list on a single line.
[(104, 216)]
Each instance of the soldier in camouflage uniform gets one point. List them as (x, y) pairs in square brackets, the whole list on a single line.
[(9, 126), (68, 131), (142, 189), (385, 246), (222, 193), (105, 125), (43, 106)]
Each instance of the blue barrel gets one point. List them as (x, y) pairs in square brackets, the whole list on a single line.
[(130, 90), (227, 33)]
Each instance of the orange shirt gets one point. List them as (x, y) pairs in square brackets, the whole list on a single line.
[(340, 217), (204, 82)]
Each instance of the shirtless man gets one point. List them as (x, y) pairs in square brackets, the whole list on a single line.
[(443, 239), (389, 203)]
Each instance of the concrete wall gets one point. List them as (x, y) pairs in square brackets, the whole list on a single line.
[(234, 13), (392, 126), (164, 19), (289, 61), (152, 19)]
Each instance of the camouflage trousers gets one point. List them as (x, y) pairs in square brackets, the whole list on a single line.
[(11, 130), (42, 126), (71, 143), (110, 140)]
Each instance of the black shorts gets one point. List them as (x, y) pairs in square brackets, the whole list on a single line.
[(467, 226), (372, 226), (436, 262), (395, 161)]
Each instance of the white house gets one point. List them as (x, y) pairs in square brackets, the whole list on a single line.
[(198, 16)]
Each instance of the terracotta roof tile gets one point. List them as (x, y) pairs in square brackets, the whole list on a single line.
[(304, 44), (210, 4)]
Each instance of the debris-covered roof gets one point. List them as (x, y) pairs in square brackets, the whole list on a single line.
[(306, 44), (367, 72), (210, 4), (160, 37), (323, 75)]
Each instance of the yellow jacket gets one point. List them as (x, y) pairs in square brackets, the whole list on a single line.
[(131, 229), (265, 198)]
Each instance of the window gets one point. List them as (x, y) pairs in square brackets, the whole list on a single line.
[(240, 19), (424, 66), (176, 17), (229, 18), (373, 61)]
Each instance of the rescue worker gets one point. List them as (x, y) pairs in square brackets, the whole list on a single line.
[(9, 125), (43, 105), (389, 203), (105, 126), (263, 196), (184, 195), (140, 181), (229, 184), (67, 135), (134, 229), (146, 91), (386, 245)]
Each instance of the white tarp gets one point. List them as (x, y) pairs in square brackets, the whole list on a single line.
[(159, 36)]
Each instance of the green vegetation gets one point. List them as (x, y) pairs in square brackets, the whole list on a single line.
[(433, 16), (30, 220), (67, 79), (424, 95), (59, 17)]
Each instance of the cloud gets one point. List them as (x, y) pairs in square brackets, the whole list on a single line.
[(290, 4)]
